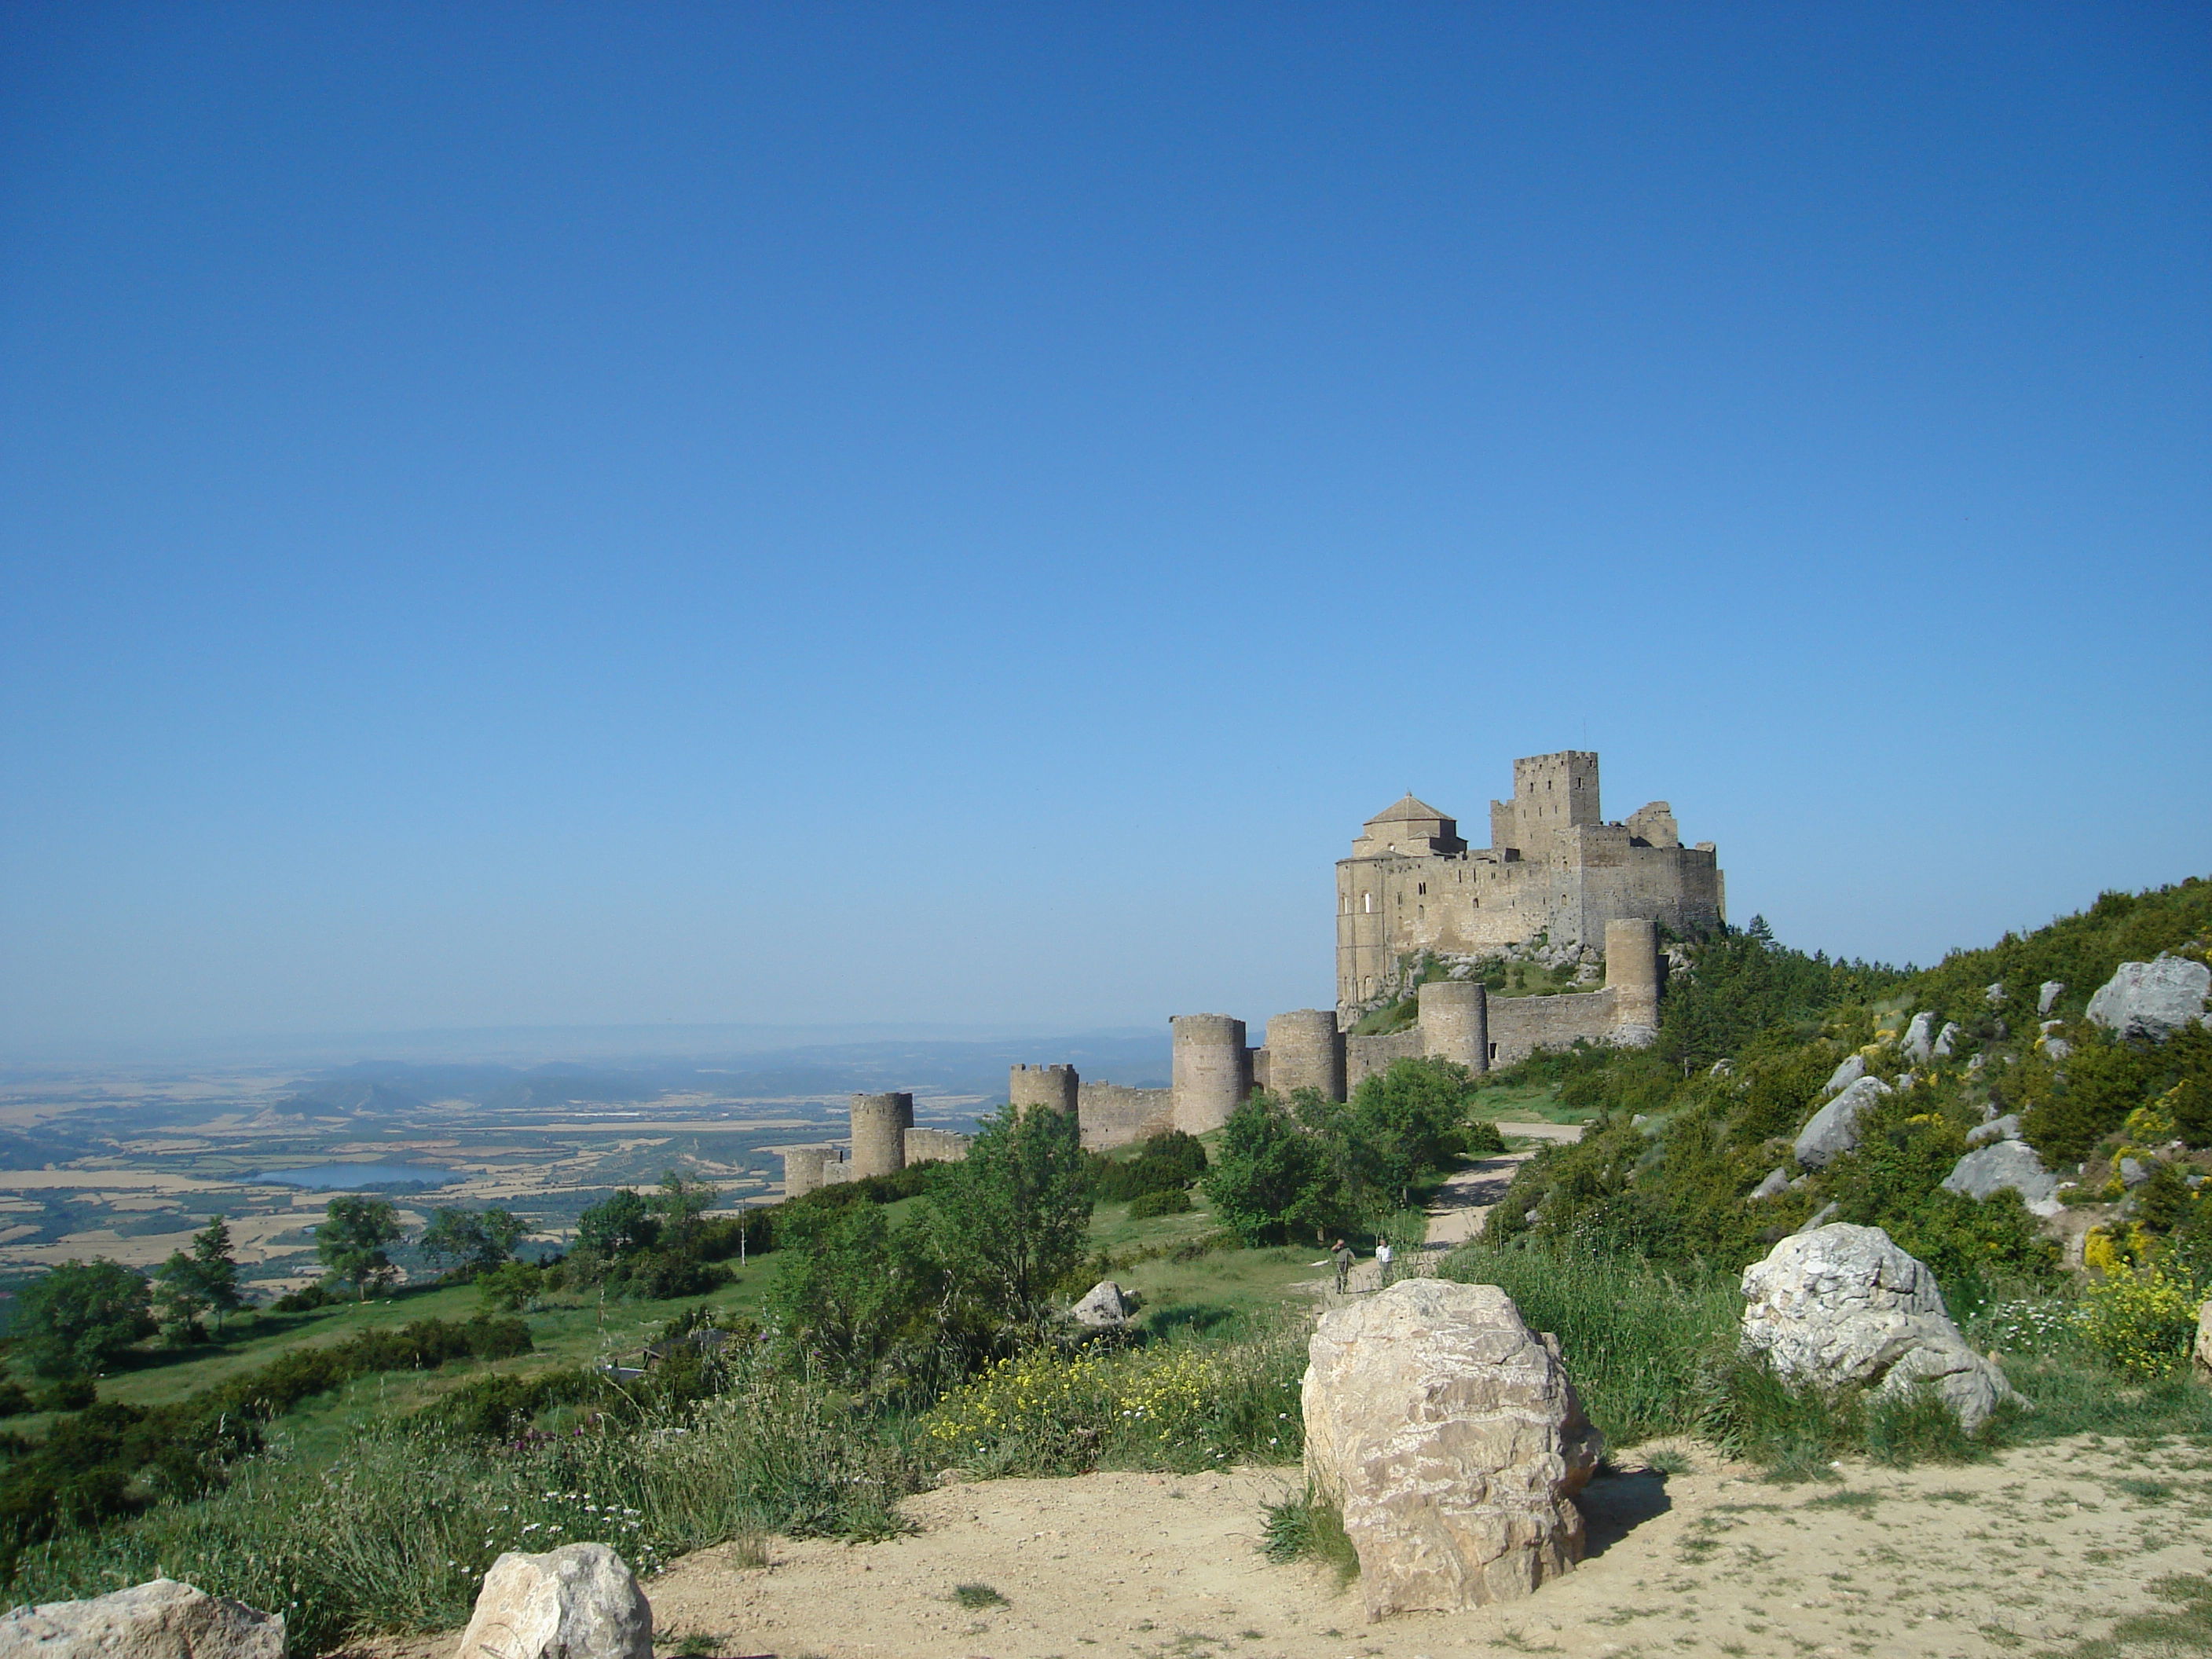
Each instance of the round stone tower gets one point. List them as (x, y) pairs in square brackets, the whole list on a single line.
[(1042, 1085), (1306, 1051), (1212, 1070), (802, 1169), (1631, 974), (880, 1126), (1455, 1020)]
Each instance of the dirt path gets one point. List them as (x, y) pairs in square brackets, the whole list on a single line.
[(1456, 1216), (2044, 1544)]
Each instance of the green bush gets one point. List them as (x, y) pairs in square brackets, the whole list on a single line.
[(1173, 1200)]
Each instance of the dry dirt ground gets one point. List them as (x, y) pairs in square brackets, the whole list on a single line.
[(2014, 1557), (2041, 1546)]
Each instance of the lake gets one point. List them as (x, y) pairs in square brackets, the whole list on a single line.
[(353, 1176)]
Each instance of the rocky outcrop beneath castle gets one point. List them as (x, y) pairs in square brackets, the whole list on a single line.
[(1834, 1129), (158, 1619), (2152, 999), (579, 1601), (1844, 1305), (1450, 1435)]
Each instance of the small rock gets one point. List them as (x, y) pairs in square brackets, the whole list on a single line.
[(2134, 1172), (1976, 1062), (1852, 1069), (1721, 1068), (1997, 1128), (2005, 1164), (1843, 1305), (1777, 1183), (158, 1619), (1104, 1307), (1833, 1130), (1946, 1040), (578, 1602), (2058, 1048), (2048, 996), (1994, 995), (1822, 1217), (1450, 1434)]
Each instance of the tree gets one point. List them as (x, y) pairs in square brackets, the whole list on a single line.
[(179, 1299), (217, 1271), (618, 1224), (350, 1241), (856, 1289), (1272, 1179), (77, 1316), (679, 1205), (1409, 1122), (1009, 1222), (472, 1242)]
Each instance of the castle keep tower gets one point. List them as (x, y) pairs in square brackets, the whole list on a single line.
[(1454, 1017), (1555, 870)]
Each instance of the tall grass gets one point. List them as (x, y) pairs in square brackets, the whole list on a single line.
[(1640, 1343), (396, 1534)]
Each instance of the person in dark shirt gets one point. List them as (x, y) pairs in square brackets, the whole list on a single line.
[(1340, 1253)]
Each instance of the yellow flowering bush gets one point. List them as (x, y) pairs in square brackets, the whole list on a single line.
[(1176, 1406), (2125, 1244), (2140, 1318)]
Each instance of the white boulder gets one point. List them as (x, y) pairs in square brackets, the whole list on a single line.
[(1775, 1184), (1920, 1038), (2201, 1354), (158, 1619), (1105, 1306), (1994, 995), (2047, 997), (1843, 1304), (578, 1602), (1946, 1040), (1833, 1130), (1997, 1128), (2152, 999), (1852, 1069), (2006, 1162), (1449, 1435)]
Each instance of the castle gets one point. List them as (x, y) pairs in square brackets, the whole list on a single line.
[(1416, 912), (1554, 871)]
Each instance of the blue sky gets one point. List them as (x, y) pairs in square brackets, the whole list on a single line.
[(574, 513)]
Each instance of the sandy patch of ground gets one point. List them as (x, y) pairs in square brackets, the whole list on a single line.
[(2045, 1544), (1464, 1200)]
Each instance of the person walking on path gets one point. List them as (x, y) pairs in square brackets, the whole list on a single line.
[(1340, 1253), (1382, 1261)]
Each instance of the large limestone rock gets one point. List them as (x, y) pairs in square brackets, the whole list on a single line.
[(2006, 1162), (578, 1602), (2152, 999), (158, 1619), (1833, 1130), (1843, 1304), (1450, 1435)]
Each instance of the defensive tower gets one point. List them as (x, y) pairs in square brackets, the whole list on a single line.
[(880, 1126), (1631, 974), (1212, 1070), (1056, 1086), (1305, 1050), (1455, 1020)]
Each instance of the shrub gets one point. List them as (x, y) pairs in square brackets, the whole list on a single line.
[(1173, 1200), (2140, 1321), (1308, 1527), (1172, 1405)]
